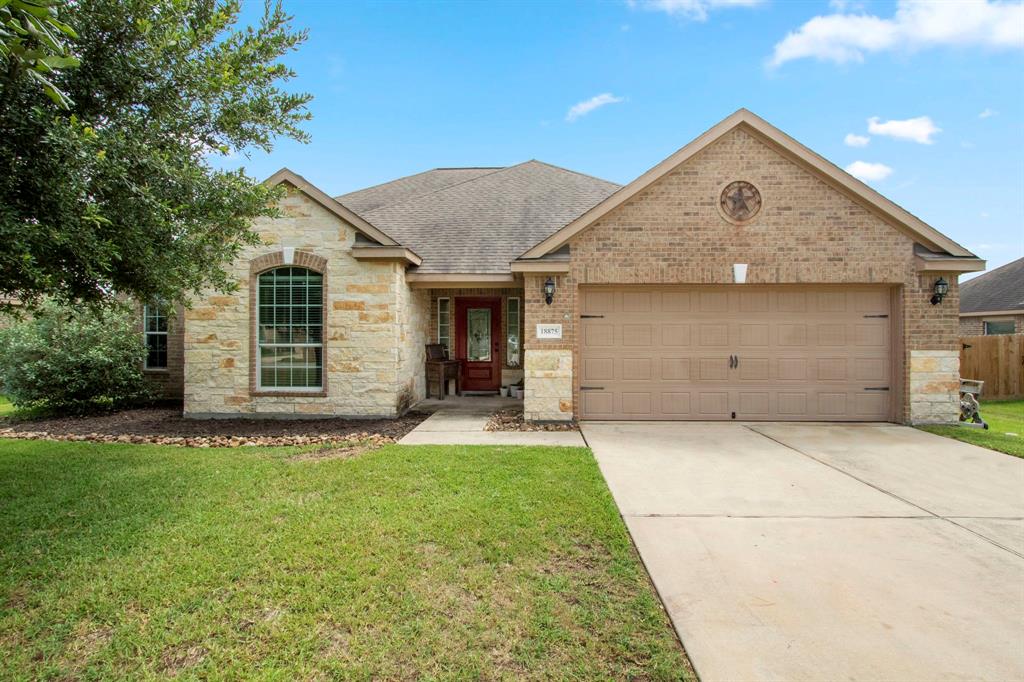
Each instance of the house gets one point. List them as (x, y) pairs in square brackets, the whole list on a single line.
[(743, 277), (993, 303)]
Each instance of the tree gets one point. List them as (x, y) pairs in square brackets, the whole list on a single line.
[(115, 195), (32, 41)]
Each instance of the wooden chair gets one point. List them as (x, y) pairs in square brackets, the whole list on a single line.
[(440, 369)]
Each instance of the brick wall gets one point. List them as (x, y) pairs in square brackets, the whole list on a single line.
[(806, 232), (510, 373), (169, 382), (975, 325)]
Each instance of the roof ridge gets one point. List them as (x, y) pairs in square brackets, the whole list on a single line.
[(497, 169), (574, 172), (413, 175), (991, 272)]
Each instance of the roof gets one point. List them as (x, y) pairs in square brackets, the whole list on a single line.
[(829, 172), (1001, 289), (409, 187), (477, 220)]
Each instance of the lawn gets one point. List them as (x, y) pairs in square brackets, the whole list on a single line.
[(130, 561), (1005, 432), (5, 406)]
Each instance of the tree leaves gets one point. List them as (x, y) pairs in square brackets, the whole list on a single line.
[(115, 194)]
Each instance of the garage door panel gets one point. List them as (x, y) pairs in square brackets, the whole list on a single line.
[(801, 353), (755, 335), (713, 335), (675, 335)]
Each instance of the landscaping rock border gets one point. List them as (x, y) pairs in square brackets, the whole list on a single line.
[(163, 426), (512, 420)]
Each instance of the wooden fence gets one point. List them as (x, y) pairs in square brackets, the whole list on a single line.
[(997, 360)]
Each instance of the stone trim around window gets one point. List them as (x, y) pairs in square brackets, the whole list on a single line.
[(257, 266)]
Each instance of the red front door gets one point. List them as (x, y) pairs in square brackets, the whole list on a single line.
[(477, 336)]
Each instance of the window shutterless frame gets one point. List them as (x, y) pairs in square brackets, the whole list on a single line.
[(512, 324), (289, 328), (444, 324), (154, 326)]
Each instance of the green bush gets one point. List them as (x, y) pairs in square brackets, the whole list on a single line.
[(73, 358)]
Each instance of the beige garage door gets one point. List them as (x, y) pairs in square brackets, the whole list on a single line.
[(744, 352)]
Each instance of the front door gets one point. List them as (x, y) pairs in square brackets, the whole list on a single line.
[(477, 335)]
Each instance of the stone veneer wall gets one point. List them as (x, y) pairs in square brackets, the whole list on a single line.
[(806, 232), (975, 325), (934, 386), (370, 334)]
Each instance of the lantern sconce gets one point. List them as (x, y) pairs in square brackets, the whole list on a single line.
[(941, 289), (549, 291)]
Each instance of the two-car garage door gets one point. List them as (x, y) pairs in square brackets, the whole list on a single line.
[(745, 352)]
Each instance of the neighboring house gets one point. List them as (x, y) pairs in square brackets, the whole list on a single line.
[(744, 277), (993, 303)]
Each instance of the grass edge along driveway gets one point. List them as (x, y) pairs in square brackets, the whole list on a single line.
[(1006, 428), (134, 561)]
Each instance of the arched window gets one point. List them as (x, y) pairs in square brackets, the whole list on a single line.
[(290, 328)]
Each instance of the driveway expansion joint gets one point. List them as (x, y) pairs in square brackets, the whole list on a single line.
[(947, 519)]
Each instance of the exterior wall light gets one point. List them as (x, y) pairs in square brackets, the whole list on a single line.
[(549, 291), (941, 289)]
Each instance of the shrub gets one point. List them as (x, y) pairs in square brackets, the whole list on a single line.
[(73, 358)]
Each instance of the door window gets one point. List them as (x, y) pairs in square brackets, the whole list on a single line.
[(478, 333)]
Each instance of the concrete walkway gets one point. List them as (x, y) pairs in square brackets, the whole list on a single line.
[(461, 420), (821, 552)]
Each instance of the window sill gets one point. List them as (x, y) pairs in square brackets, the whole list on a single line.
[(263, 393), (156, 370)]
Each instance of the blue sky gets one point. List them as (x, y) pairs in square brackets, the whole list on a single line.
[(403, 87)]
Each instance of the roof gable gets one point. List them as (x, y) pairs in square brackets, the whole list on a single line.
[(317, 195), (788, 147)]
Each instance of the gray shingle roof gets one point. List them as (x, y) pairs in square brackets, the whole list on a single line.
[(1000, 289), (411, 186), (477, 220)]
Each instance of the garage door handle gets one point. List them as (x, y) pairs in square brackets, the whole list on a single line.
[(591, 388), (876, 388)]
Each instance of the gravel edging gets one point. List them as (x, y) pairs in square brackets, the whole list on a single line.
[(162, 426), (512, 420)]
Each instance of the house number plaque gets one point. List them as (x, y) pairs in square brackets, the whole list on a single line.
[(549, 331)]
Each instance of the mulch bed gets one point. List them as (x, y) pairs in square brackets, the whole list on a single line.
[(166, 426), (512, 420)]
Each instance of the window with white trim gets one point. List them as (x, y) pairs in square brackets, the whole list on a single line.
[(154, 322), (512, 332), (444, 324), (998, 327), (290, 354)]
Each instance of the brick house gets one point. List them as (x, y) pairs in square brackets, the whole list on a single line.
[(993, 303), (744, 277)]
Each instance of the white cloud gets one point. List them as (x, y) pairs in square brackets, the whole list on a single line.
[(863, 170), (585, 107), (918, 129), (697, 10), (987, 113), (917, 24), (852, 140)]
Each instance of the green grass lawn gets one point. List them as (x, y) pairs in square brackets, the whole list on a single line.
[(5, 406), (1004, 417), (127, 561)]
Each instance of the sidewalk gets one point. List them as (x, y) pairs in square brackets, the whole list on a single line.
[(461, 421)]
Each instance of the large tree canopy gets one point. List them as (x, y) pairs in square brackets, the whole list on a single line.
[(115, 194)]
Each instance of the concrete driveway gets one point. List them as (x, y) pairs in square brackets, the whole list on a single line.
[(825, 551)]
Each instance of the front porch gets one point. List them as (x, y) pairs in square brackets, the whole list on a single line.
[(483, 328)]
